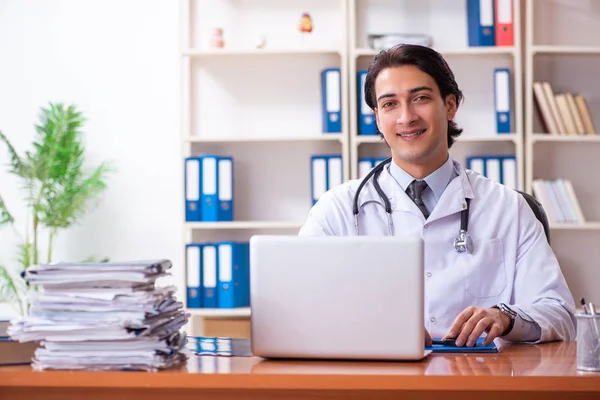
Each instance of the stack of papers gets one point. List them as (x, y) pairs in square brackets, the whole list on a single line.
[(105, 316)]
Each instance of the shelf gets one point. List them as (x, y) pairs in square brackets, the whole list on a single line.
[(545, 137), (253, 52), (464, 139), (368, 139), (245, 225), (565, 50), (467, 51), (266, 139), (482, 139), (219, 312), (584, 226)]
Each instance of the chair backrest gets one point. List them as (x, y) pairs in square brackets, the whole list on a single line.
[(539, 212)]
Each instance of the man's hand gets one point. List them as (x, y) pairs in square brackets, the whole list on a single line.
[(472, 322), (428, 341)]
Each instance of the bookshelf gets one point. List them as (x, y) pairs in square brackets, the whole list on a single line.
[(563, 49), (261, 106), (446, 23)]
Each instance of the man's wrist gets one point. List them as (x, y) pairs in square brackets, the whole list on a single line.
[(508, 316)]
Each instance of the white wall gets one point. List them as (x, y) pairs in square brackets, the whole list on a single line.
[(118, 61)]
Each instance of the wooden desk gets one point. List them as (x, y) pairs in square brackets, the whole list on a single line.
[(519, 372)]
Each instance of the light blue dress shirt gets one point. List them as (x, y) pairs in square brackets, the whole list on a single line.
[(437, 182)]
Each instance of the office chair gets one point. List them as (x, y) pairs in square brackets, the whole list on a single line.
[(539, 212)]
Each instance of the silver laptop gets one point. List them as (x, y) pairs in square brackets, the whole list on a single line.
[(337, 297)]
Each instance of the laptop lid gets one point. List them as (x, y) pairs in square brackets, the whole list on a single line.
[(337, 297)]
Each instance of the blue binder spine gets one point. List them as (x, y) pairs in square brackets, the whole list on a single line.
[(331, 97), (480, 23), (192, 174), (193, 264), (335, 173), (378, 160), (365, 164), (508, 170), (210, 272), (477, 164), (366, 116), (503, 100), (225, 189), (318, 173), (209, 190), (493, 168), (234, 275)]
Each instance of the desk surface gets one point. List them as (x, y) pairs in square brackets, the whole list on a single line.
[(522, 370)]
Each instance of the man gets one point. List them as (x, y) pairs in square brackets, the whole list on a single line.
[(510, 285)]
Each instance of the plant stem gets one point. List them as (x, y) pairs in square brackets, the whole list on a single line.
[(35, 237), (21, 310), (50, 241)]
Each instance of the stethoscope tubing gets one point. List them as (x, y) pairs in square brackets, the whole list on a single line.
[(461, 243)]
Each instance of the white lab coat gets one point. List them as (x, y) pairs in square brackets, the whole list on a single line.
[(512, 261)]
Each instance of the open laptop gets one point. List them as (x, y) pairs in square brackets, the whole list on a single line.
[(337, 297)]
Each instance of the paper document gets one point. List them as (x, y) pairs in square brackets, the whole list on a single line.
[(103, 316)]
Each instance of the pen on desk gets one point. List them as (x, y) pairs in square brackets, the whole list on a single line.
[(592, 310), (445, 342)]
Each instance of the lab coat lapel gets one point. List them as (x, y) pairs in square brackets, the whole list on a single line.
[(453, 198), (399, 199)]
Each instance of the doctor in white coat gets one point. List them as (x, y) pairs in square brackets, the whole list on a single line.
[(510, 285)]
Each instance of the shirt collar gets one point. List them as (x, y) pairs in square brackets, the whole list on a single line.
[(437, 180)]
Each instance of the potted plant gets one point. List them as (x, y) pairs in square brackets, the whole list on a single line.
[(58, 191)]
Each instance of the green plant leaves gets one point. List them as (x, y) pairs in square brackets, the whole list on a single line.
[(5, 216), (58, 188), (10, 288)]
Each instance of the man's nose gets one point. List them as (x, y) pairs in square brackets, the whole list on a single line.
[(406, 115)]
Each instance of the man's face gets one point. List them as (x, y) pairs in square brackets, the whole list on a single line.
[(413, 117)]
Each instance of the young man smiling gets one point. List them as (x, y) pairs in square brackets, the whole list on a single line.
[(509, 284)]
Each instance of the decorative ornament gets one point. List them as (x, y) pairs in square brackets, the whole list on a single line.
[(216, 39), (306, 25)]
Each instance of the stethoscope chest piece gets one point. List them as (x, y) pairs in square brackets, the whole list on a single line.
[(463, 242)]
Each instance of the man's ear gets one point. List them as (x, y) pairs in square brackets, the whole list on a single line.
[(376, 111), (450, 107)]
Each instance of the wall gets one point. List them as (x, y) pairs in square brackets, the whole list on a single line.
[(119, 62)]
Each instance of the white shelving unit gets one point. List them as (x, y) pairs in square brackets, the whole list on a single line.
[(563, 48), (262, 106), (446, 22)]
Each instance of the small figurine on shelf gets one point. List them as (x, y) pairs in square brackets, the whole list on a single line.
[(261, 42), (306, 25), (216, 39)]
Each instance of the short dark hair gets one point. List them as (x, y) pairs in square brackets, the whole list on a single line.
[(427, 60)]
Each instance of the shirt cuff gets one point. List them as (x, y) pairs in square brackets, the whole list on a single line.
[(524, 330)]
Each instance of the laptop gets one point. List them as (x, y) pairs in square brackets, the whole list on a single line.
[(337, 297)]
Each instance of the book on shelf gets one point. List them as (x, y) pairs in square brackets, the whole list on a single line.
[(559, 200), (562, 112)]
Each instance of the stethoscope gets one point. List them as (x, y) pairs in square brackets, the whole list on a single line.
[(462, 242)]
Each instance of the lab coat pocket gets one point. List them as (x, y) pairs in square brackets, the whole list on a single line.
[(484, 270)]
